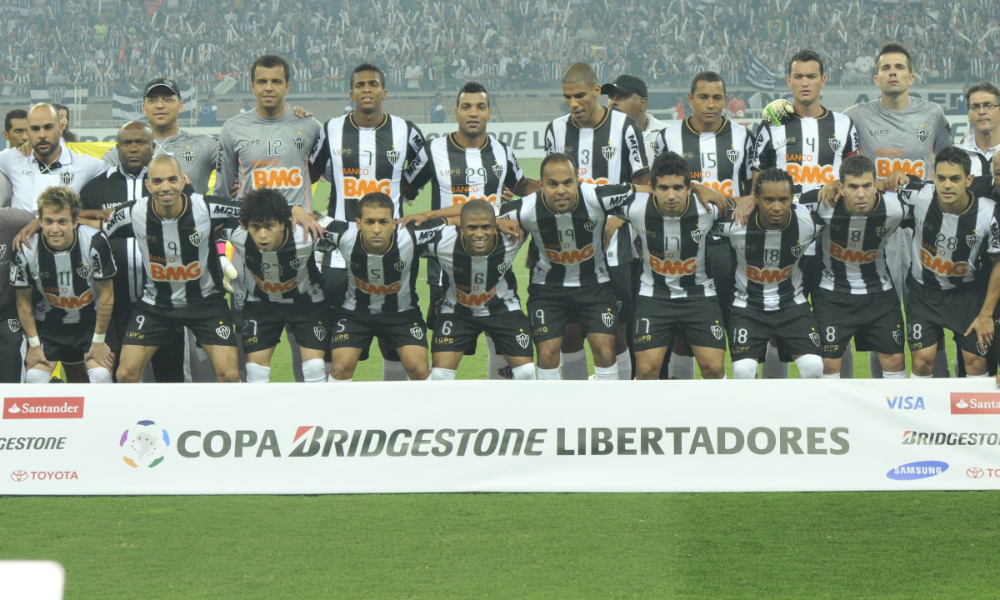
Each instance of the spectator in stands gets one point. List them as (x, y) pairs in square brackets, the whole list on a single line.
[(208, 114), (437, 109)]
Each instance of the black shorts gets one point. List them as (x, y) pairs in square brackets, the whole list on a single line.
[(67, 342), (210, 320), (811, 266), (551, 307), (356, 329), (11, 338), (875, 321), (459, 333), (263, 323), (929, 312), (699, 319), (750, 329), (437, 293), (334, 285), (621, 282), (719, 265)]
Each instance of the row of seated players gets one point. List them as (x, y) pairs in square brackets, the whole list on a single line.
[(785, 252)]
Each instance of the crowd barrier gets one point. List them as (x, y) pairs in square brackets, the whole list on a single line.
[(478, 436)]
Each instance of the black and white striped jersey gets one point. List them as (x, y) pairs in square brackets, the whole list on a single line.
[(458, 174), (382, 283), (63, 285), (286, 275), (981, 161), (180, 258), (613, 152), (768, 276), (474, 286), (946, 247), (719, 159), (674, 248), (567, 248), (809, 149), (360, 160), (854, 247)]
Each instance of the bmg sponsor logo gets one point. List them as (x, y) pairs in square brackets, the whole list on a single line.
[(965, 403), (43, 408), (917, 470)]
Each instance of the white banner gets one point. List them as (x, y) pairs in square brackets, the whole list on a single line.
[(475, 436)]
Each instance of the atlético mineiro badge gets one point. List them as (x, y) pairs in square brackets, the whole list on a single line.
[(392, 155), (195, 238), (223, 331), (3, 250), (84, 271), (590, 225), (732, 154), (973, 239), (296, 263), (498, 170), (188, 156), (400, 265), (66, 178), (696, 235), (797, 250), (14, 324), (417, 332), (815, 338), (609, 320), (835, 144), (502, 268), (881, 231), (897, 336), (608, 152), (717, 332), (922, 134), (320, 332), (522, 340), (299, 142)]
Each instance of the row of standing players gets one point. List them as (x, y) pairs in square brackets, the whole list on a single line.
[(346, 147)]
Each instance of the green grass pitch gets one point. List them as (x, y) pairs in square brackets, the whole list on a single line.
[(899, 545)]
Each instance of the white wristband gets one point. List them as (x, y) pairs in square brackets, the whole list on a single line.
[(34, 342), (99, 338)]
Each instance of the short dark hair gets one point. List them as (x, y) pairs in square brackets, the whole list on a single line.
[(896, 48), (376, 200), (954, 155), (368, 67), (17, 113), (270, 61), (478, 207), (856, 166), (806, 56), (667, 164), (708, 77), (472, 87), (578, 72), (773, 175), (59, 107), (263, 205), (556, 157), (982, 86)]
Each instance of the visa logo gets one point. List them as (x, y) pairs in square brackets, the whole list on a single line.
[(905, 402)]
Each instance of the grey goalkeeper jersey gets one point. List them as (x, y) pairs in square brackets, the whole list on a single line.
[(901, 140), (267, 153), (197, 154)]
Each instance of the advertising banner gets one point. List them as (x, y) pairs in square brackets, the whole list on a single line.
[(476, 436)]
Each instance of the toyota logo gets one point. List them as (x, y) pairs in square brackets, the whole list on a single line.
[(974, 472), (19, 475)]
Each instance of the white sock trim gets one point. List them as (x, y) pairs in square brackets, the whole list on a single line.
[(548, 374), (439, 374), (606, 373)]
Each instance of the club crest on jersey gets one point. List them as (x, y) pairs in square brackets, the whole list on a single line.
[(392, 155), (590, 225), (522, 340), (797, 250), (608, 152), (320, 332), (400, 265), (815, 338), (195, 238), (882, 231), (717, 332), (696, 235), (973, 239), (3, 250), (897, 336), (835, 144), (296, 263), (66, 178), (299, 142), (922, 134), (84, 271), (498, 170), (188, 156), (417, 332), (609, 320), (224, 331), (733, 155), (502, 268)]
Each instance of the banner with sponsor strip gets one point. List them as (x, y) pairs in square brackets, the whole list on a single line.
[(476, 436)]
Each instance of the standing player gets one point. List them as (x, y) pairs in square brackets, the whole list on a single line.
[(49, 164), (717, 152), (953, 229), (183, 277), (280, 284), (675, 290), (58, 275), (983, 138), (474, 259), (855, 297), (607, 147), (769, 300), (196, 153), (15, 132), (468, 165), (808, 144), (361, 152), (12, 220)]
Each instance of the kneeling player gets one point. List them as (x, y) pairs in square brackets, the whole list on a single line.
[(474, 258), (855, 297), (56, 279), (674, 289), (280, 283), (381, 298), (769, 301)]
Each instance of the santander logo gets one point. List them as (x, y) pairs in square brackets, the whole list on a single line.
[(43, 408), (966, 403)]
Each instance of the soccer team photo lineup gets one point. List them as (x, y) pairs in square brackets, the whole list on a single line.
[(660, 247)]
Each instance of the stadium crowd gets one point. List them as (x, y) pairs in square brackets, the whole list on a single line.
[(506, 44)]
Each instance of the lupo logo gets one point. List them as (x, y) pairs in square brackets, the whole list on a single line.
[(144, 444), (917, 470)]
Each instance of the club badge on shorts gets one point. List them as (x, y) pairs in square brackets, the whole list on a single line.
[(522, 339), (224, 331)]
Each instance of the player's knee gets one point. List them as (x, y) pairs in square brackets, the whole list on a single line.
[(127, 374), (892, 363), (313, 370), (810, 366), (714, 369), (745, 368), (228, 374), (646, 368), (418, 371)]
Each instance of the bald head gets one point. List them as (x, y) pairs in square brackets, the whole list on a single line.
[(135, 147), (580, 72), (478, 208), (135, 126), (165, 161), (44, 132), (43, 111)]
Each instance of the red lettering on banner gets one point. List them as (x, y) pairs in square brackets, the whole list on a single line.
[(43, 408)]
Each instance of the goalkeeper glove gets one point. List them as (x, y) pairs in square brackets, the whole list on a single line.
[(229, 272), (778, 112)]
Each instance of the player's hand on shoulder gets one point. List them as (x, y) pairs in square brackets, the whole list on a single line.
[(313, 227), (709, 197), (831, 193), (895, 180), (510, 228), (22, 237), (300, 112), (610, 227), (744, 208), (417, 219), (779, 112), (25, 148), (506, 195)]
